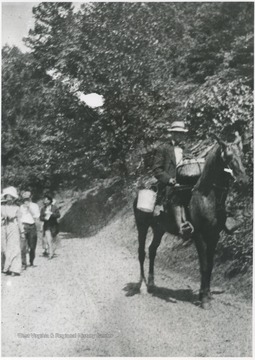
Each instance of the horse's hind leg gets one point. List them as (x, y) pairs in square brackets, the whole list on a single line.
[(157, 236)]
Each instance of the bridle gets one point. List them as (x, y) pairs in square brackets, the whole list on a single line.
[(229, 171), (224, 148)]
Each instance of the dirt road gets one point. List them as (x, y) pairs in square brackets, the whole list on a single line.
[(84, 303)]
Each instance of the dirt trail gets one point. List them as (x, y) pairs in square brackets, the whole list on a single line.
[(85, 302)]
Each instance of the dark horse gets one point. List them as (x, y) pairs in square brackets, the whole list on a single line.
[(206, 213)]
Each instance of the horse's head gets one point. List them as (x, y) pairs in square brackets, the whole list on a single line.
[(232, 154)]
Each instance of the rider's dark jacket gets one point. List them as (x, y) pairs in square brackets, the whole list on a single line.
[(164, 166)]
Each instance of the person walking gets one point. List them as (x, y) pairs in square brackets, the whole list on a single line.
[(30, 214), (11, 232), (45, 246), (49, 216)]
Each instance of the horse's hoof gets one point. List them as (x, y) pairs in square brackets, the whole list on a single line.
[(150, 288), (210, 297), (206, 304), (151, 280)]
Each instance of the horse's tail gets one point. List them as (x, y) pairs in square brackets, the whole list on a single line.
[(135, 209)]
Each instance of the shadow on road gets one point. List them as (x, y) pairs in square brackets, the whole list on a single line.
[(168, 295), (68, 236), (132, 289)]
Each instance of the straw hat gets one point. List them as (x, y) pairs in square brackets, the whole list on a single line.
[(177, 126), (11, 190)]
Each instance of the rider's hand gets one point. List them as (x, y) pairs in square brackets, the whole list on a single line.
[(172, 181)]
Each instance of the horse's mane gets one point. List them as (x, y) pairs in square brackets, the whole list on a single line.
[(210, 171)]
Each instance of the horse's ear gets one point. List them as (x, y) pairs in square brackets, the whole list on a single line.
[(219, 141)]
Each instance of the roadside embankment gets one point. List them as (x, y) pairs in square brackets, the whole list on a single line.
[(85, 213)]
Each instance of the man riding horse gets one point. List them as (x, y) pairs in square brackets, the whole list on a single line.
[(206, 204), (167, 158)]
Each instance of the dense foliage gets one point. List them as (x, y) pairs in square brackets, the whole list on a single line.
[(152, 62)]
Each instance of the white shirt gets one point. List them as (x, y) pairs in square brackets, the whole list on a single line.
[(29, 214), (178, 155), (48, 212)]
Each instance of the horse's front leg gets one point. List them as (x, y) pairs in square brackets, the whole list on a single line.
[(213, 239), (157, 236), (204, 293), (206, 245), (142, 233)]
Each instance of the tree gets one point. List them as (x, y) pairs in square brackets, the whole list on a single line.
[(148, 60)]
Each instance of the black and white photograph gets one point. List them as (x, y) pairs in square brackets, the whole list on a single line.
[(127, 179)]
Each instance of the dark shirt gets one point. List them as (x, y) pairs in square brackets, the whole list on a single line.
[(164, 167), (52, 222)]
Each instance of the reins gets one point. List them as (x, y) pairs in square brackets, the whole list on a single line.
[(221, 194), (221, 191)]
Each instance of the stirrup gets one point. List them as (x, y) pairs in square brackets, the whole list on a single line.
[(187, 226), (186, 230)]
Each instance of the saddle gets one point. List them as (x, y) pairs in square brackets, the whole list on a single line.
[(173, 195)]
